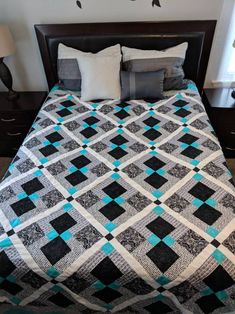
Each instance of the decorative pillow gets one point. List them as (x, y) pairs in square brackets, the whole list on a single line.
[(67, 65), (172, 60), (100, 77), (142, 85)]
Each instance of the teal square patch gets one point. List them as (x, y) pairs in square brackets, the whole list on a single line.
[(72, 190), (99, 285), (110, 226), (218, 256), (211, 202), (119, 200), (107, 199), (52, 235), (5, 243), (198, 177), (115, 176), (73, 169), (158, 210), (34, 197), (212, 232), (15, 222), (222, 295), (157, 193), (198, 203), (38, 173), (22, 195), (163, 280), (67, 207), (153, 240), (66, 236), (52, 272), (168, 240), (107, 248)]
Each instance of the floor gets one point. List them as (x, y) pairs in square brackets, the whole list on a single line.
[(4, 163)]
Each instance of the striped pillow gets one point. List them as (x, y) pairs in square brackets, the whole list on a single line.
[(171, 60), (67, 65), (142, 85)]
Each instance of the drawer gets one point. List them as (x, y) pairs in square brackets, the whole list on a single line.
[(10, 148), (229, 152), (16, 117), (13, 133), (223, 120)]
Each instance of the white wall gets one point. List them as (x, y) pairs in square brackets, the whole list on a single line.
[(21, 15)]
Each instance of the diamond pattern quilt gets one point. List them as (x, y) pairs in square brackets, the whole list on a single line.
[(118, 207)]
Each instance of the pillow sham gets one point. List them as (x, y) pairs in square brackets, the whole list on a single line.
[(67, 65), (142, 85), (172, 60), (100, 77)]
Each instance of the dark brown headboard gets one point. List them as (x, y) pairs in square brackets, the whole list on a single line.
[(142, 35)]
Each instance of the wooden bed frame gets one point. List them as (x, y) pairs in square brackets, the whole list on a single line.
[(143, 35)]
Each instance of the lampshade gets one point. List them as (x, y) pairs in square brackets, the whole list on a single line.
[(7, 45)]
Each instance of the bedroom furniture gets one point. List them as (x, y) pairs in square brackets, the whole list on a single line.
[(141, 35), (16, 117), (7, 48), (220, 106)]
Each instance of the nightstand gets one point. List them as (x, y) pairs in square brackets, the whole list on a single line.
[(220, 107), (16, 118)]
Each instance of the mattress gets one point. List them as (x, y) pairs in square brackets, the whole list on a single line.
[(118, 207)]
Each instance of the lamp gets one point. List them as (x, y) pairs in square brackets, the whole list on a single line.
[(233, 92), (7, 48)]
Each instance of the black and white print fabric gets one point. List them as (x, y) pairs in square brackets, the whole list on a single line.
[(118, 207)]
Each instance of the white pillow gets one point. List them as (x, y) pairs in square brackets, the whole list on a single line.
[(67, 66), (176, 51), (100, 77), (65, 52)]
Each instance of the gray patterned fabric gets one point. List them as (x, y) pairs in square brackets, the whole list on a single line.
[(118, 207), (142, 85)]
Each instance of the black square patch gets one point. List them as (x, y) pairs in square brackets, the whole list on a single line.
[(63, 223), (32, 186), (155, 180), (23, 206), (114, 190), (201, 191), (76, 178), (48, 150), (191, 152), (80, 162), (55, 250), (54, 137), (8, 268)]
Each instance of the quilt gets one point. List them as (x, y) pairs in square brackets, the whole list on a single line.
[(113, 207)]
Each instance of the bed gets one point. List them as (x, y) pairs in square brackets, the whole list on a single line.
[(119, 207)]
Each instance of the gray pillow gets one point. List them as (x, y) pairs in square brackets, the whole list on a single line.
[(142, 85), (171, 59)]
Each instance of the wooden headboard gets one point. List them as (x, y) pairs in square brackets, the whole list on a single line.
[(143, 35)]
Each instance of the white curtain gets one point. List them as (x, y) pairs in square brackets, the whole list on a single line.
[(227, 64)]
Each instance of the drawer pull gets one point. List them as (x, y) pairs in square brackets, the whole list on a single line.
[(14, 134), (8, 120), (229, 148)]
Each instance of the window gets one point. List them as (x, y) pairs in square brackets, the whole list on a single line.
[(226, 74), (231, 68)]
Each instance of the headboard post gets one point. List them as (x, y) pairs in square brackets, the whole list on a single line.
[(146, 35)]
